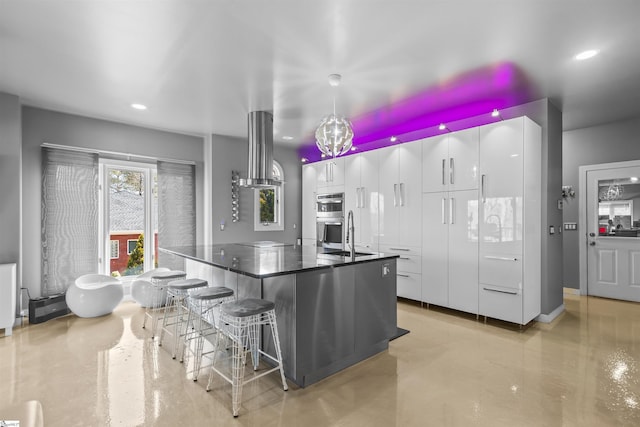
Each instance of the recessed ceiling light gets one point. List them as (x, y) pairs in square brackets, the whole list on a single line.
[(393, 139), (495, 113), (139, 106), (304, 160), (586, 54), (442, 126), (634, 179), (287, 138), (354, 148)]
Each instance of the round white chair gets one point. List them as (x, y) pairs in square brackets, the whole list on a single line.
[(142, 290), (94, 295)]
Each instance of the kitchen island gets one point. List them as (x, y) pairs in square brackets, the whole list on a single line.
[(333, 310)]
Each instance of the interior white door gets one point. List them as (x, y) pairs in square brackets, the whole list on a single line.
[(613, 256)]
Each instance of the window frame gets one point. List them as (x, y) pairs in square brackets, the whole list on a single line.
[(278, 224), (148, 170), (117, 248), (129, 249)]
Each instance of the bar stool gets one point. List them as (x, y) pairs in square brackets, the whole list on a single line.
[(240, 321), (202, 320), (175, 309), (159, 281)]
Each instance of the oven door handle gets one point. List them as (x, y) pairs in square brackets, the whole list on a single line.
[(331, 223)]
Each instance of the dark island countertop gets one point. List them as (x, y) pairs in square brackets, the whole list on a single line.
[(267, 259)]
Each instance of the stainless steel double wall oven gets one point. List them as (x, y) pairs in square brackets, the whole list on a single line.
[(330, 220)]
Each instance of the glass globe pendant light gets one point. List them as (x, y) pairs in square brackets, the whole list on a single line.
[(334, 135)]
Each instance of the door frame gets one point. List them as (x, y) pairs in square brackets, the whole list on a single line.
[(582, 212)]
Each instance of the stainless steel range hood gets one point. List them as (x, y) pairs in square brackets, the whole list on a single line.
[(260, 166)]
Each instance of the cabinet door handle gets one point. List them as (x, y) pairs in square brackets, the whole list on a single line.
[(444, 220), (395, 195), (362, 192), (357, 197), (500, 291), (451, 170), (500, 258), (402, 194), (482, 179), (400, 249), (444, 161), (452, 205), (404, 258), (402, 275)]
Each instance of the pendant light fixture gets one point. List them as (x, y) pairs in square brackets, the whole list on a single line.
[(334, 135)]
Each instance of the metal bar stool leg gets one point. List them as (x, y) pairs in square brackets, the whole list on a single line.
[(204, 303), (241, 321), (175, 309)]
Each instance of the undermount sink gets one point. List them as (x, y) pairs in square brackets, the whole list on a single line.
[(346, 253)]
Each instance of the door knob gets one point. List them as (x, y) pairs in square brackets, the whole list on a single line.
[(592, 234), (592, 243)]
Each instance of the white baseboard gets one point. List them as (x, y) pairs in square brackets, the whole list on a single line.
[(548, 318)]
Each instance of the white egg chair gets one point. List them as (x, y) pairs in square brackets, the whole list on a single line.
[(94, 295), (141, 289)]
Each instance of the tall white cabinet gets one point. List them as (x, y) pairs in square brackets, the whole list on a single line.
[(510, 220), (400, 209), (309, 191), (450, 220), (361, 197), (462, 211)]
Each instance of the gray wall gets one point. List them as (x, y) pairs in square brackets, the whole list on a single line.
[(231, 153), (613, 142), (549, 117), (10, 182), (39, 126)]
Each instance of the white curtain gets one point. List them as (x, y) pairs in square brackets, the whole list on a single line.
[(69, 217), (176, 210)]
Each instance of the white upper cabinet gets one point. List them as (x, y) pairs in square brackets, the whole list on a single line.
[(502, 191), (400, 188), (463, 164), (361, 197), (330, 173), (450, 162), (309, 202), (435, 155)]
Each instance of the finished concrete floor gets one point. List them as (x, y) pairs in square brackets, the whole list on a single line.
[(450, 370)]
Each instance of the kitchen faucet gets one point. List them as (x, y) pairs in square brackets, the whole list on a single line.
[(351, 231)]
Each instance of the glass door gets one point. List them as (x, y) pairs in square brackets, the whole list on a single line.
[(130, 218)]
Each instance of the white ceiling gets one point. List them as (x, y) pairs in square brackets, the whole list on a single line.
[(201, 66)]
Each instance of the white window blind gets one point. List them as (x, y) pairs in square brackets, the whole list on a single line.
[(69, 217), (176, 210)]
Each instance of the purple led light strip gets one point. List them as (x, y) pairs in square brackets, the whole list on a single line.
[(463, 102)]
